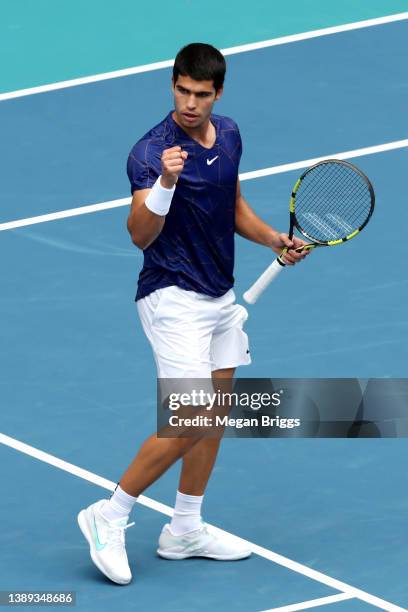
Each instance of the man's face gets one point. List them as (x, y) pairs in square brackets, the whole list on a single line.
[(193, 100)]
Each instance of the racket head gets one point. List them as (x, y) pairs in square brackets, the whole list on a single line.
[(331, 202)]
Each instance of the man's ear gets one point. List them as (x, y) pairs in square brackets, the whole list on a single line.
[(219, 93)]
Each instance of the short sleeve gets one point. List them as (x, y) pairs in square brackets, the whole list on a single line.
[(231, 138), (143, 166), (239, 144)]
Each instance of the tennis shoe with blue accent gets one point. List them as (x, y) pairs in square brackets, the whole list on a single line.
[(203, 542), (106, 542)]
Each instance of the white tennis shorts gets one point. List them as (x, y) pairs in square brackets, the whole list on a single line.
[(193, 334)]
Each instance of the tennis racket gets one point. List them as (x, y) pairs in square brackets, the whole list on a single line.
[(330, 203)]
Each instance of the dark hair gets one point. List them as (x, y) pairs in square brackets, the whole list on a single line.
[(200, 62)]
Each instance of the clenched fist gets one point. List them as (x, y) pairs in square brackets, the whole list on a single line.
[(172, 162)]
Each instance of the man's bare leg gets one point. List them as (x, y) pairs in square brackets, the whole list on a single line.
[(199, 460), (188, 535), (156, 455)]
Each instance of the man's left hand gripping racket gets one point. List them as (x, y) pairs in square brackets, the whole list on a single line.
[(331, 203)]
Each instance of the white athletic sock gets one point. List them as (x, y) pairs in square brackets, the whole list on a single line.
[(118, 506), (187, 514)]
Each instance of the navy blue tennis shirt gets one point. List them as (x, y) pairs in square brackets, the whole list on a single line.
[(195, 249)]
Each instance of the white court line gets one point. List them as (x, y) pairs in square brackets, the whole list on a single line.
[(312, 603), (62, 214), (389, 146), (77, 471), (245, 176), (150, 503), (282, 40)]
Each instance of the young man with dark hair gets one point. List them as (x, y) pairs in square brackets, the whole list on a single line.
[(186, 207)]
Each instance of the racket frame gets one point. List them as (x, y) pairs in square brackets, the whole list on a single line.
[(294, 223), (292, 206), (259, 286)]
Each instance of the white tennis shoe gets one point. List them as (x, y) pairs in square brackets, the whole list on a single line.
[(203, 542), (106, 543)]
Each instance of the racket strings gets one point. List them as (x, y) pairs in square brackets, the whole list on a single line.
[(339, 192), (336, 195), (332, 201), (325, 206)]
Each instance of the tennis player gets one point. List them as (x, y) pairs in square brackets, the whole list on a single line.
[(187, 205)]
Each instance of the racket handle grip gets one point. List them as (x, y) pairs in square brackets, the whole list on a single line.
[(263, 281)]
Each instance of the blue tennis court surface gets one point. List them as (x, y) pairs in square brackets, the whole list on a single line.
[(78, 379)]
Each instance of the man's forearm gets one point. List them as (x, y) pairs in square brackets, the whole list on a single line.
[(148, 211), (144, 226)]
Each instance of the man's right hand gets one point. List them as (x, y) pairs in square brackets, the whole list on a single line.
[(172, 163)]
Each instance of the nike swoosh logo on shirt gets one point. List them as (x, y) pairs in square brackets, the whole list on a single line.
[(210, 161)]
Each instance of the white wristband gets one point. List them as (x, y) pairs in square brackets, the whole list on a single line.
[(159, 199)]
